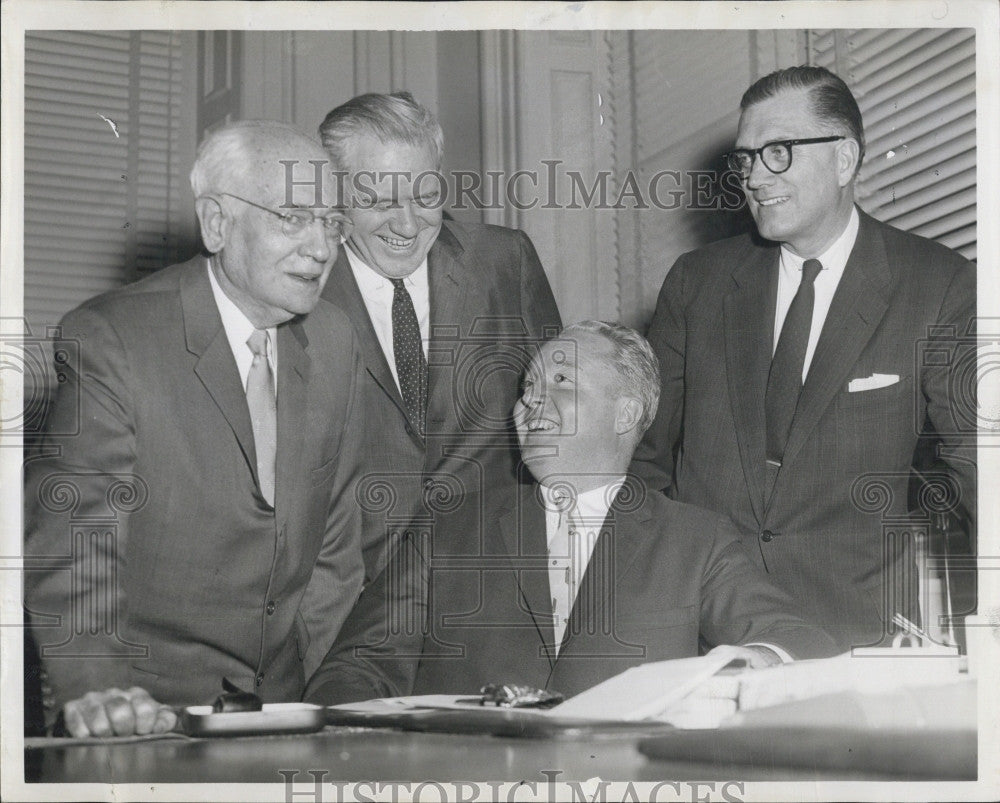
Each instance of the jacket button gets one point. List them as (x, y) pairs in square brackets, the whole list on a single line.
[(428, 483), (766, 536), (260, 678), (270, 607), (408, 429)]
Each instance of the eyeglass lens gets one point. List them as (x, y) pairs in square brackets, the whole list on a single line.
[(295, 221), (777, 157)]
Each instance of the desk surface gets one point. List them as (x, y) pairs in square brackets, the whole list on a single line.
[(356, 754)]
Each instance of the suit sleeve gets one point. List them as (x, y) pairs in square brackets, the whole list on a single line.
[(949, 388), (339, 571), (378, 649), (76, 607), (740, 606), (538, 306), (653, 461)]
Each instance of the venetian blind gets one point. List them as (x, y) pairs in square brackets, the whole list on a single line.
[(917, 93), (106, 142)]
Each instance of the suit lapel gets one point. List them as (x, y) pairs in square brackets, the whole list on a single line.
[(449, 282), (342, 290), (615, 552), (293, 381), (859, 304), (523, 533), (749, 332), (206, 338)]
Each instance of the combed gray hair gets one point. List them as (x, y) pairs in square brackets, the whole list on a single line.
[(396, 117), (633, 360), (227, 152)]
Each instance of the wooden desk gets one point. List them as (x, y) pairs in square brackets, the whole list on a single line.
[(356, 754)]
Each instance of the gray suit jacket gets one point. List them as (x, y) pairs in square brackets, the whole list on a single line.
[(664, 580), (490, 304), (151, 557), (828, 533)]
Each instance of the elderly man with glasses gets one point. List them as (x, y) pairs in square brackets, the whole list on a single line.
[(198, 524), (802, 364)]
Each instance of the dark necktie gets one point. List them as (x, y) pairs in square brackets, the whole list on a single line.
[(411, 367), (784, 382)]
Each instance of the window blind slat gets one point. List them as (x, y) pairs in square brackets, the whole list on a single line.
[(939, 213), (81, 235), (939, 55), (916, 89), (930, 117), (871, 65)]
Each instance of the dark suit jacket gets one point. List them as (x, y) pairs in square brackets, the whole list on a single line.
[(152, 559), (489, 303), (825, 534), (664, 578)]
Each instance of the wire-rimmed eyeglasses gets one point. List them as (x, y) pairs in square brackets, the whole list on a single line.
[(295, 221), (776, 156)]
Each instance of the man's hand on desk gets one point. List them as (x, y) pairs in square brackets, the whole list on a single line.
[(117, 713), (717, 698), (756, 656)]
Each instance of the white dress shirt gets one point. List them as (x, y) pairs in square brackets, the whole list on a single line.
[(377, 291), (834, 260), (238, 329), (570, 536)]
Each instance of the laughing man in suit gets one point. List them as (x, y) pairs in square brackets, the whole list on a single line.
[(445, 312), (570, 580), (794, 389), (201, 524)]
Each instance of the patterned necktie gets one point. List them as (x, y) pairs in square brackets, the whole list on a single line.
[(784, 382), (411, 367), (562, 574), (263, 413)]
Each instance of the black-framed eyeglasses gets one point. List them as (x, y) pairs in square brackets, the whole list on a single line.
[(776, 156), (295, 221)]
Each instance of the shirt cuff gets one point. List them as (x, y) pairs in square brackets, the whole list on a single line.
[(782, 654)]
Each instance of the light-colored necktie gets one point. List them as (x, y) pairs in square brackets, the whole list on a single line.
[(263, 412), (564, 558)]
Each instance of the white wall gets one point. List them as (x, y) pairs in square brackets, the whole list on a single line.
[(595, 100)]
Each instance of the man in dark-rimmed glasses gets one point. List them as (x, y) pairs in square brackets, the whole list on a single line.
[(200, 523), (794, 386)]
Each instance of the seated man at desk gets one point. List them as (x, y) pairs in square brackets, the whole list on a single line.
[(574, 578)]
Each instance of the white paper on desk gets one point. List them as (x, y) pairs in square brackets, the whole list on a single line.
[(387, 704), (644, 691)]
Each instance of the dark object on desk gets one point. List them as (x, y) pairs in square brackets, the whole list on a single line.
[(510, 722), (503, 695), (231, 702), (235, 699)]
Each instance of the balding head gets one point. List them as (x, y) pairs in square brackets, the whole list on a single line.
[(245, 158)]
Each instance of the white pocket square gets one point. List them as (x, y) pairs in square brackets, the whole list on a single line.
[(873, 382)]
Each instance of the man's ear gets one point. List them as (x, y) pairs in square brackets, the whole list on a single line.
[(628, 415), (848, 154), (213, 222)]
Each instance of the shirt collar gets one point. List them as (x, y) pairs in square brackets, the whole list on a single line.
[(238, 326), (833, 258), (591, 506), (371, 283)]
